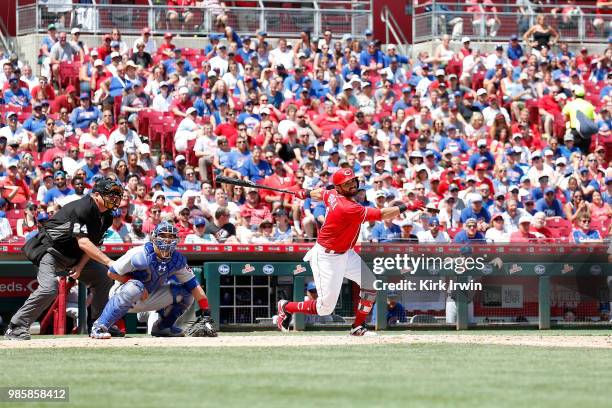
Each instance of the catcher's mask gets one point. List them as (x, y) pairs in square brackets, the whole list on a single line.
[(165, 239), (111, 192)]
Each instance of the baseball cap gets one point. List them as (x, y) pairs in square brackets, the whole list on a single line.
[(179, 158), (475, 197), (497, 215), (434, 221), (311, 287), (549, 190), (59, 173), (481, 91), (199, 221), (525, 219), (440, 72), (380, 193), (465, 39)]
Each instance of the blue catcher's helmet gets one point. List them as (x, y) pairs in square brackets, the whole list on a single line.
[(165, 239)]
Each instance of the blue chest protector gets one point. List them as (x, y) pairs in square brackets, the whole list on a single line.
[(154, 272)]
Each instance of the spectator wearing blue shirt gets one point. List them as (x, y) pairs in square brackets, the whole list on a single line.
[(294, 82), (15, 95), (82, 116), (226, 159), (60, 190), (170, 188), (371, 55), (256, 169), (569, 147), (404, 102), (483, 154), (475, 210), (392, 54), (469, 233), (515, 51), (538, 192), (587, 184), (453, 142), (607, 194), (549, 204), (514, 172), (386, 231), (583, 233), (396, 313), (246, 51), (36, 122), (170, 64)]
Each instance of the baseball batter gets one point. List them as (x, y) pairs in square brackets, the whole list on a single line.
[(332, 258), (155, 277)]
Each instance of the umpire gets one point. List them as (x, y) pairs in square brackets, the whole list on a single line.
[(68, 242)]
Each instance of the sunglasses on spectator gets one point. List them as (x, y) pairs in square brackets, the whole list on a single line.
[(185, 213), (155, 211), (190, 173), (123, 122)]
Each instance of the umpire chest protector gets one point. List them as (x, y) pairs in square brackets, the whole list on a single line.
[(80, 218)]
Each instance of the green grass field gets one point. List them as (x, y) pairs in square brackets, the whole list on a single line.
[(415, 375)]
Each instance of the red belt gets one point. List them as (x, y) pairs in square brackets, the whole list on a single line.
[(331, 251)]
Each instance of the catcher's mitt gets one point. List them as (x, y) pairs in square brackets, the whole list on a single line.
[(202, 327)]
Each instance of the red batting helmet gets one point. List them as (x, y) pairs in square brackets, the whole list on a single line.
[(342, 176)]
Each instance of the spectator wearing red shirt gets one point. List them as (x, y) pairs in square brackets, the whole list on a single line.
[(59, 149), (281, 178), (167, 48), (182, 224), (13, 188), (584, 58), (481, 176), (523, 234), (181, 104), (67, 100), (43, 91), (229, 129), (178, 15), (108, 124), (359, 124), (255, 208), (105, 49), (539, 228), (152, 220), (530, 134), (328, 120), (446, 180)]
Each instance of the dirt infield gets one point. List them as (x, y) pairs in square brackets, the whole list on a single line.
[(314, 340)]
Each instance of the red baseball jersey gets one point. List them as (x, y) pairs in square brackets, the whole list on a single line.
[(343, 221)]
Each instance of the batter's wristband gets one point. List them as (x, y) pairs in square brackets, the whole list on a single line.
[(203, 303), (402, 207)]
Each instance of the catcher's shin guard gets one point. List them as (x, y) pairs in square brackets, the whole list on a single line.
[(126, 296), (182, 299)]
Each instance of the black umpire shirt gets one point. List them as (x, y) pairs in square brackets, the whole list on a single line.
[(77, 219)]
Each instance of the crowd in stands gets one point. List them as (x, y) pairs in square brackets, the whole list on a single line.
[(484, 146)]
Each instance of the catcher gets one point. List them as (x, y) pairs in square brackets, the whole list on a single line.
[(155, 277)]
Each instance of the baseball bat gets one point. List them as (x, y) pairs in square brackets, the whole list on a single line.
[(249, 183)]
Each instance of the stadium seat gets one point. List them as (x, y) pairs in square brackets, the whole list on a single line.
[(69, 74)]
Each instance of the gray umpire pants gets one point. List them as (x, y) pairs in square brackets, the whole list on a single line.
[(93, 275)]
